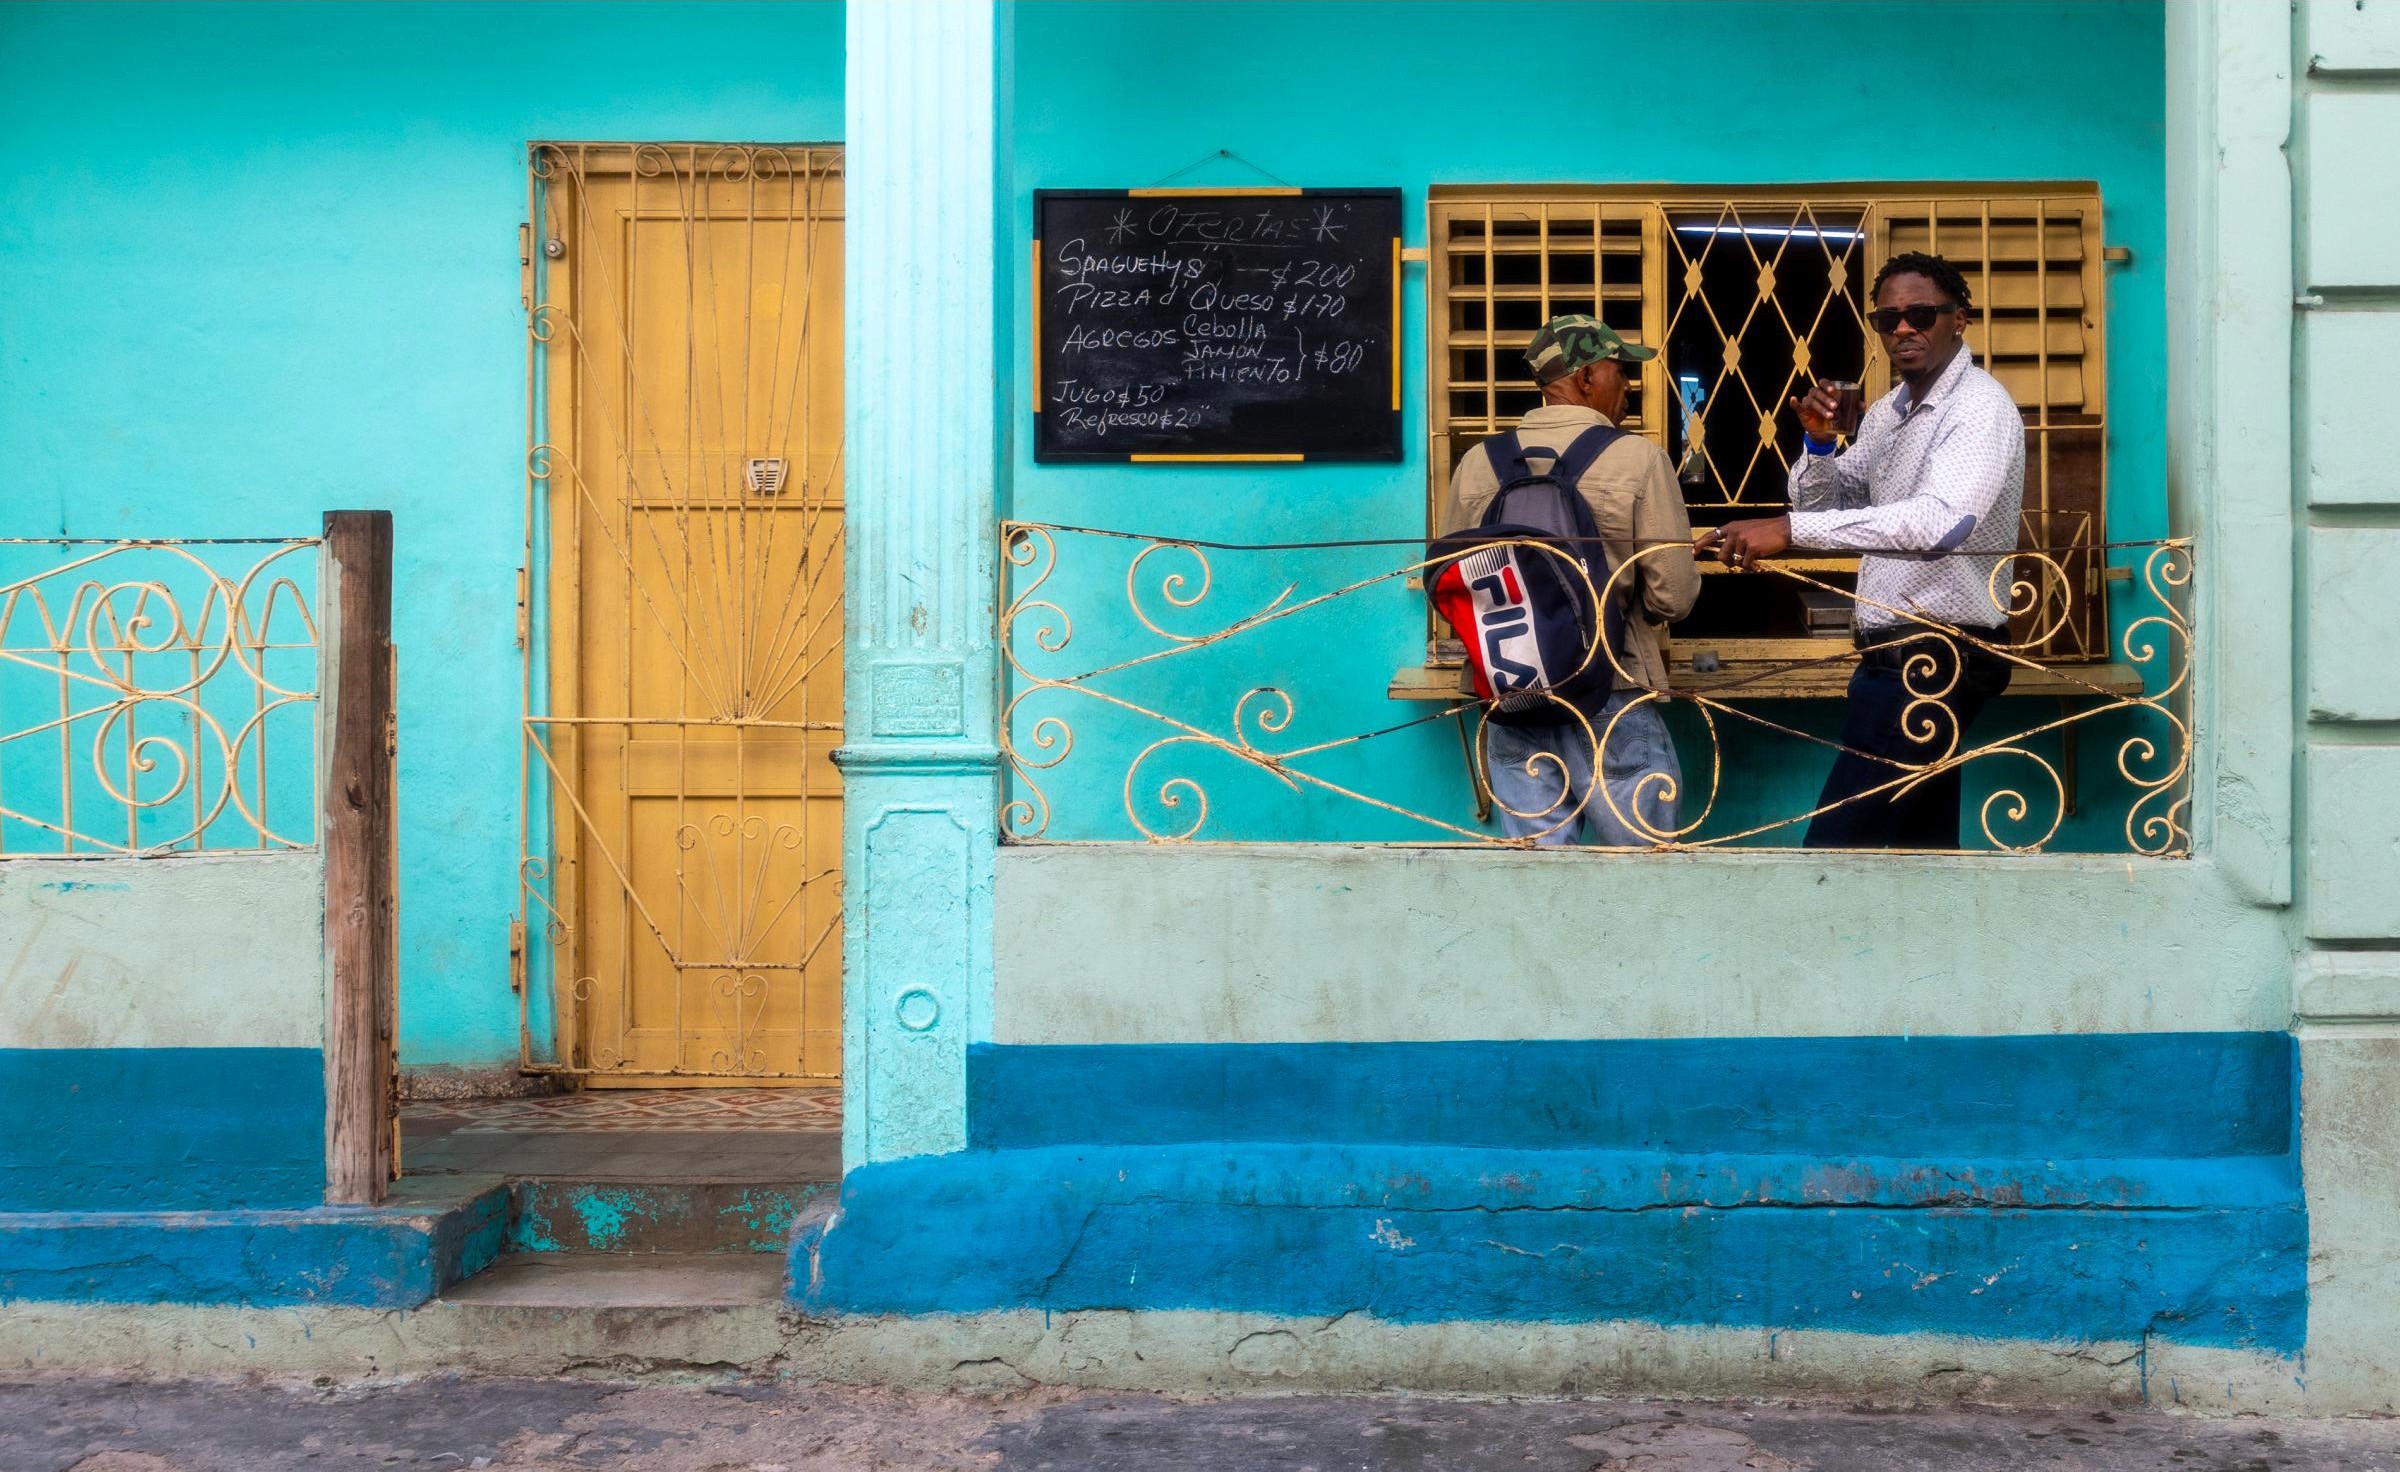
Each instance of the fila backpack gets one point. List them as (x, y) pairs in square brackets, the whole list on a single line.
[(1531, 616)]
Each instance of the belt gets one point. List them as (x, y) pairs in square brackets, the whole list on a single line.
[(1890, 633), (1919, 638)]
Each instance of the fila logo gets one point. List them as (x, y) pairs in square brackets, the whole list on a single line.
[(1502, 588), (1512, 655)]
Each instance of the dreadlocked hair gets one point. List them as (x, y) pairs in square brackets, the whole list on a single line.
[(1946, 278)]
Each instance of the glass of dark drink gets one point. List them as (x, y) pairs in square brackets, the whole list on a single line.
[(1849, 406)]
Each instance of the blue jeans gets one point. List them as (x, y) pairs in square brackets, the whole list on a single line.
[(1637, 768)]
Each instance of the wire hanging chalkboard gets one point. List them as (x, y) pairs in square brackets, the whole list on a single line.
[(1216, 324)]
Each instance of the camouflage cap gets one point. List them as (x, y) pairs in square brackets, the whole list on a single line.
[(1577, 341)]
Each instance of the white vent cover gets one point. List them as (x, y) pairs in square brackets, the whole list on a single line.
[(764, 474)]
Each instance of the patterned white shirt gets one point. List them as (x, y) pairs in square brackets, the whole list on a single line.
[(1920, 484)]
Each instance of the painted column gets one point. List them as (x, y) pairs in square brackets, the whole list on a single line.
[(2229, 464), (2347, 991), (924, 444)]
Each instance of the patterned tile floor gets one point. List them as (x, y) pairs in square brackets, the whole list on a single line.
[(630, 1111), (658, 1136)]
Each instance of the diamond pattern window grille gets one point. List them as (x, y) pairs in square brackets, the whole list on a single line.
[(1752, 294)]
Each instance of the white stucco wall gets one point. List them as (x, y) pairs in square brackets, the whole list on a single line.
[(193, 951), (2345, 94)]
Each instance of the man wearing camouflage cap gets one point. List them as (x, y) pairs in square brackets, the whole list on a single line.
[(1585, 372)]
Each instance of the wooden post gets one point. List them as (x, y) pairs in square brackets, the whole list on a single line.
[(361, 918)]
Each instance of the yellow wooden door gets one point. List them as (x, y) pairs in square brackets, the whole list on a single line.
[(684, 681)]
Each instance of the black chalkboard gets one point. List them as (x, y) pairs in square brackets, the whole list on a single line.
[(1235, 325)]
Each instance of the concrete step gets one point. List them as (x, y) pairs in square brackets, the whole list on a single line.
[(431, 1233), (598, 1280), (552, 1215), (2210, 1250)]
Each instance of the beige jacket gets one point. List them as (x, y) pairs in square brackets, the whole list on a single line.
[(1632, 492)]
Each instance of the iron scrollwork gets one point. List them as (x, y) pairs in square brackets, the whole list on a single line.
[(141, 686), (1164, 799)]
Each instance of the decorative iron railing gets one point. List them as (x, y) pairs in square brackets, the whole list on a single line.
[(1130, 715), (157, 697)]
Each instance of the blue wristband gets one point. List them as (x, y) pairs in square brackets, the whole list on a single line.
[(1814, 446)]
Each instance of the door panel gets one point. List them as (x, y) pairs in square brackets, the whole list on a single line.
[(688, 511)]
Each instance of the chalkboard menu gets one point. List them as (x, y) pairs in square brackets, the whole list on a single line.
[(1236, 325)]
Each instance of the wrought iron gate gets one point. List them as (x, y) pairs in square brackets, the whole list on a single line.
[(681, 614)]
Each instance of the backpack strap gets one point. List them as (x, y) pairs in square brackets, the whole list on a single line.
[(1579, 453), (1505, 450), (1567, 463)]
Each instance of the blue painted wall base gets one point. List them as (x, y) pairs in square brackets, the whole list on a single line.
[(394, 1256), (2069, 1188), (2086, 1095), (162, 1129)]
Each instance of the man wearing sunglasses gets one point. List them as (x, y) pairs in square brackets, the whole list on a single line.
[(1929, 491)]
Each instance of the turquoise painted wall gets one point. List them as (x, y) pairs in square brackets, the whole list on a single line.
[(269, 269), (1123, 95), (258, 261)]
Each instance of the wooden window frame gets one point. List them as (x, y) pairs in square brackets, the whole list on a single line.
[(1931, 210)]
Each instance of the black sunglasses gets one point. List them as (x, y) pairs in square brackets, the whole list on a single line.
[(1887, 320)]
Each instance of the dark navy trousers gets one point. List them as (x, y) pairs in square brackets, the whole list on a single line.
[(1881, 692)]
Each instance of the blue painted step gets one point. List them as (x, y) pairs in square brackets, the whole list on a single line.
[(2050, 1186), (552, 1216), (433, 1233), (2205, 1251)]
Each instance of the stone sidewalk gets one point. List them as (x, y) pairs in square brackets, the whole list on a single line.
[(62, 1424)]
